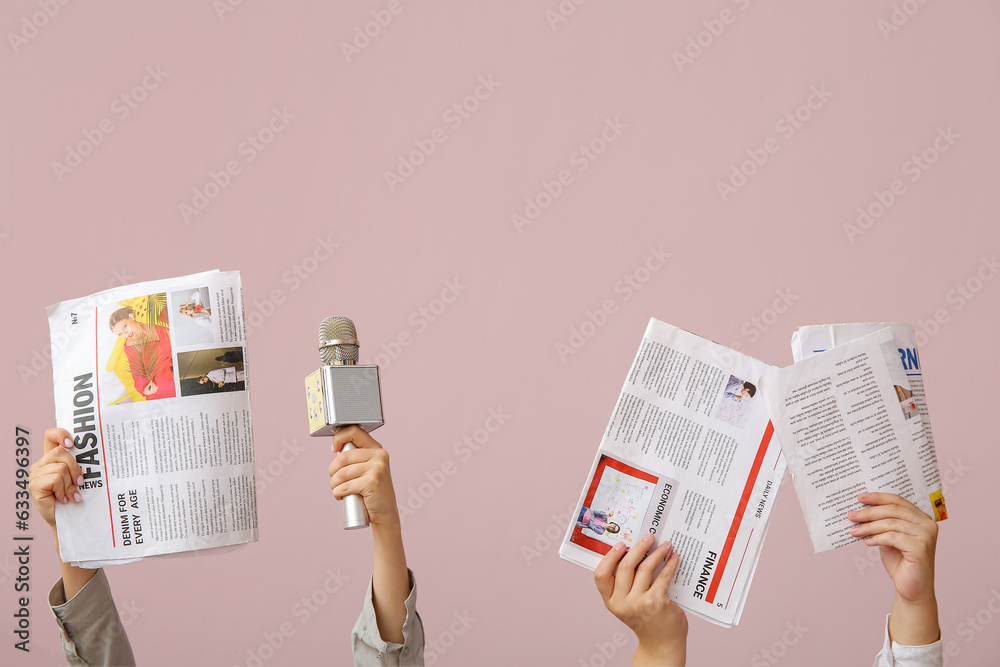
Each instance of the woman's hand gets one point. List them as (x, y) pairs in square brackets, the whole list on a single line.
[(56, 477), (641, 602), (907, 539), (365, 472)]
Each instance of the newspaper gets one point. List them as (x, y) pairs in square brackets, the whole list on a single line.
[(848, 422), (688, 456), (152, 382), (810, 340)]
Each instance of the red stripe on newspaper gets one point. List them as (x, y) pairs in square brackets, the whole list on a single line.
[(104, 466), (740, 510), (737, 576)]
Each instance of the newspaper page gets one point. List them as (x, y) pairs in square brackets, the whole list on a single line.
[(688, 456), (845, 430), (152, 382), (810, 340)]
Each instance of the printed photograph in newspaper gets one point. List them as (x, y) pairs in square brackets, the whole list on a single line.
[(140, 357)]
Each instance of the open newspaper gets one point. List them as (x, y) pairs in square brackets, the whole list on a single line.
[(849, 421), (152, 382), (688, 456), (810, 340)]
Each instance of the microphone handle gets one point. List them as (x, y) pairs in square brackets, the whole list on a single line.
[(355, 514)]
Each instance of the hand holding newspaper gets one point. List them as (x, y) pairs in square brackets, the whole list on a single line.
[(849, 422), (688, 456), (151, 382)]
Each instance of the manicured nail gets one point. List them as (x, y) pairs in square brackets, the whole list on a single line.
[(67, 443), (619, 546), (77, 497)]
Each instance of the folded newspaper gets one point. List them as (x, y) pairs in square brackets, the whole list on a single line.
[(854, 419), (152, 382), (688, 456)]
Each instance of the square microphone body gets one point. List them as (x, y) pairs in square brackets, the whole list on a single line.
[(339, 396)]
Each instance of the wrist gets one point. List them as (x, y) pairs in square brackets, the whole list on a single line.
[(914, 622), (387, 528), (387, 521), (661, 654), (922, 602)]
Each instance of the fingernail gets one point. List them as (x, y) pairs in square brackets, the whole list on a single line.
[(648, 538), (67, 443), (77, 497), (79, 480), (619, 546)]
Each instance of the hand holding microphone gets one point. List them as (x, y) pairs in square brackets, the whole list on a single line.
[(362, 470), (343, 393)]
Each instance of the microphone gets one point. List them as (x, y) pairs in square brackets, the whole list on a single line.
[(343, 393)]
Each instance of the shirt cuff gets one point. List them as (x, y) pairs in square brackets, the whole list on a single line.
[(898, 655), (367, 639), (89, 625), (89, 604)]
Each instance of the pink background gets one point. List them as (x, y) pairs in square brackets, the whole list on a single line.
[(524, 290)]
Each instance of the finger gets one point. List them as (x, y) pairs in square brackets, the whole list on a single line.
[(350, 457), (348, 473), (885, 526), (68, 460), (61, 463), (906, 544), (666, 576), (53, 484), (356, 486), (879, 498), (902, 512), (604, 573), (356, 435), (59, 478), (626, 569), (57, 437), (644, 573)]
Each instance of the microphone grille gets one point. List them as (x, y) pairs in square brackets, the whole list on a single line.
[(338, 328)]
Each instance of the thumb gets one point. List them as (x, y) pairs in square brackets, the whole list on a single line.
[(57, 437)]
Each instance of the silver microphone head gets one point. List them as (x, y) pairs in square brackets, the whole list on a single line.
[(338, 341)]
